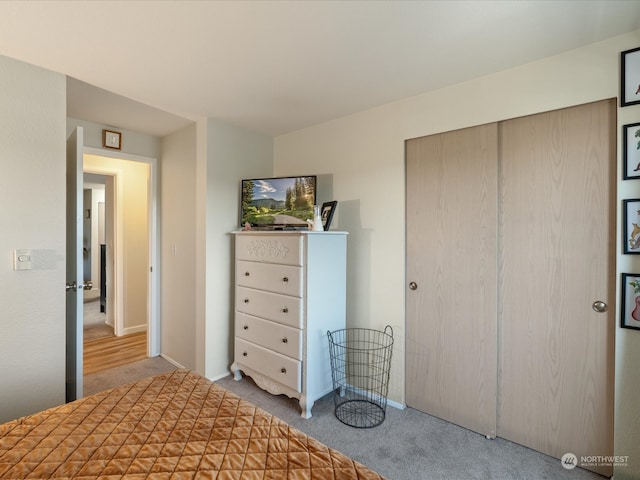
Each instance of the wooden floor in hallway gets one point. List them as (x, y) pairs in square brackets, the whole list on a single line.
[(109, 352)]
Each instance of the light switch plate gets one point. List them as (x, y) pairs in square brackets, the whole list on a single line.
[(22, 259)]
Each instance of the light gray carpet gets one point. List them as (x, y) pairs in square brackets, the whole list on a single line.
[(408, 445), (411, 445), (100, 381), (93, 322), (90, 295), (92, 314)]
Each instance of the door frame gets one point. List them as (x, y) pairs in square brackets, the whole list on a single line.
[(73, 269), (153, 301)]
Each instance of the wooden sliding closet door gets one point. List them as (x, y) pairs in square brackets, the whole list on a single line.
[(452, 276), (557, 238)]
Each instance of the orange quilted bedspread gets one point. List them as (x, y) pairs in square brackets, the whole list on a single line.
[(176, 425)]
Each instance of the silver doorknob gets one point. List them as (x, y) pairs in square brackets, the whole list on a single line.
[(413, 286), (599, 306), (73, 286)]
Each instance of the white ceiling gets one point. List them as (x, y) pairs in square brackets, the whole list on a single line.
[(278, 66)]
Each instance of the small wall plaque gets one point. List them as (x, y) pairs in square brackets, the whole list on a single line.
[(111, 139)]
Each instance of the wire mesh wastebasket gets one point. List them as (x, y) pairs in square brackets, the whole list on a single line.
[(360, 364)]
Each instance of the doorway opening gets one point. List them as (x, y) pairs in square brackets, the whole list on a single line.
[(119, 255)]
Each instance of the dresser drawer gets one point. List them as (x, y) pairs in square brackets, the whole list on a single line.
[(272, 306), (274, 336), (282, 249), (278, 367), (286, 279)]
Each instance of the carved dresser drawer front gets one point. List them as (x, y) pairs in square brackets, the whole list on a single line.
[(283, 249), (286, 279), (282, 339), (280, 368), (272, 306)]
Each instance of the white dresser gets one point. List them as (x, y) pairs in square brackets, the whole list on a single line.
[(290, 289)]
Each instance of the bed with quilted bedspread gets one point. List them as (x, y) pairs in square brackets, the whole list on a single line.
[(176, 425)]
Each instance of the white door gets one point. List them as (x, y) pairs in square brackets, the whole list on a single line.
[(74, 266)]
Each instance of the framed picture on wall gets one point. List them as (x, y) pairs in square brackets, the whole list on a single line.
[(630, 77), (111, 139), (631, 226), (631, 151), (630, 305)]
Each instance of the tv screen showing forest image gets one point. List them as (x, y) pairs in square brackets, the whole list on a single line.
[(278, 202)]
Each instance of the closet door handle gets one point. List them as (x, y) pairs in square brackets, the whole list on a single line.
[(599, 306)]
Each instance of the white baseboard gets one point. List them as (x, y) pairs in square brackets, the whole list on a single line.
[(399, 406), (171, 361), (365, 393), (136, 329), (218, 377)]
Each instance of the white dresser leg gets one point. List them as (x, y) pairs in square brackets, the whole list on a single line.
[(237, 376), (305, 407)]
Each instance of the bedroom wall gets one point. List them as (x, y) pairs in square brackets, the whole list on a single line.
[(226, 155), (178, 252), (32, 195), (365, 154)]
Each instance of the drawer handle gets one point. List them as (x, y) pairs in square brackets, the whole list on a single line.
[(284, 340), (283, 370), (246, 327), (285, 310), (246, 300), (246, 274), (244, 354), (285, 279)]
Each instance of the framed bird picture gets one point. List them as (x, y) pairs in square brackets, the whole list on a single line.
[(631, 234), (630, 77), (631, 151)]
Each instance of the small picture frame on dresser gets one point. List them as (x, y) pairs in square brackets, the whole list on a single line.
[(326, 213)]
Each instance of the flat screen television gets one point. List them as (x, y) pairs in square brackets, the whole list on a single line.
[(278, 203)]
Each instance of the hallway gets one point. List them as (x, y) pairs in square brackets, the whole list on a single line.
[(103, 350)]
